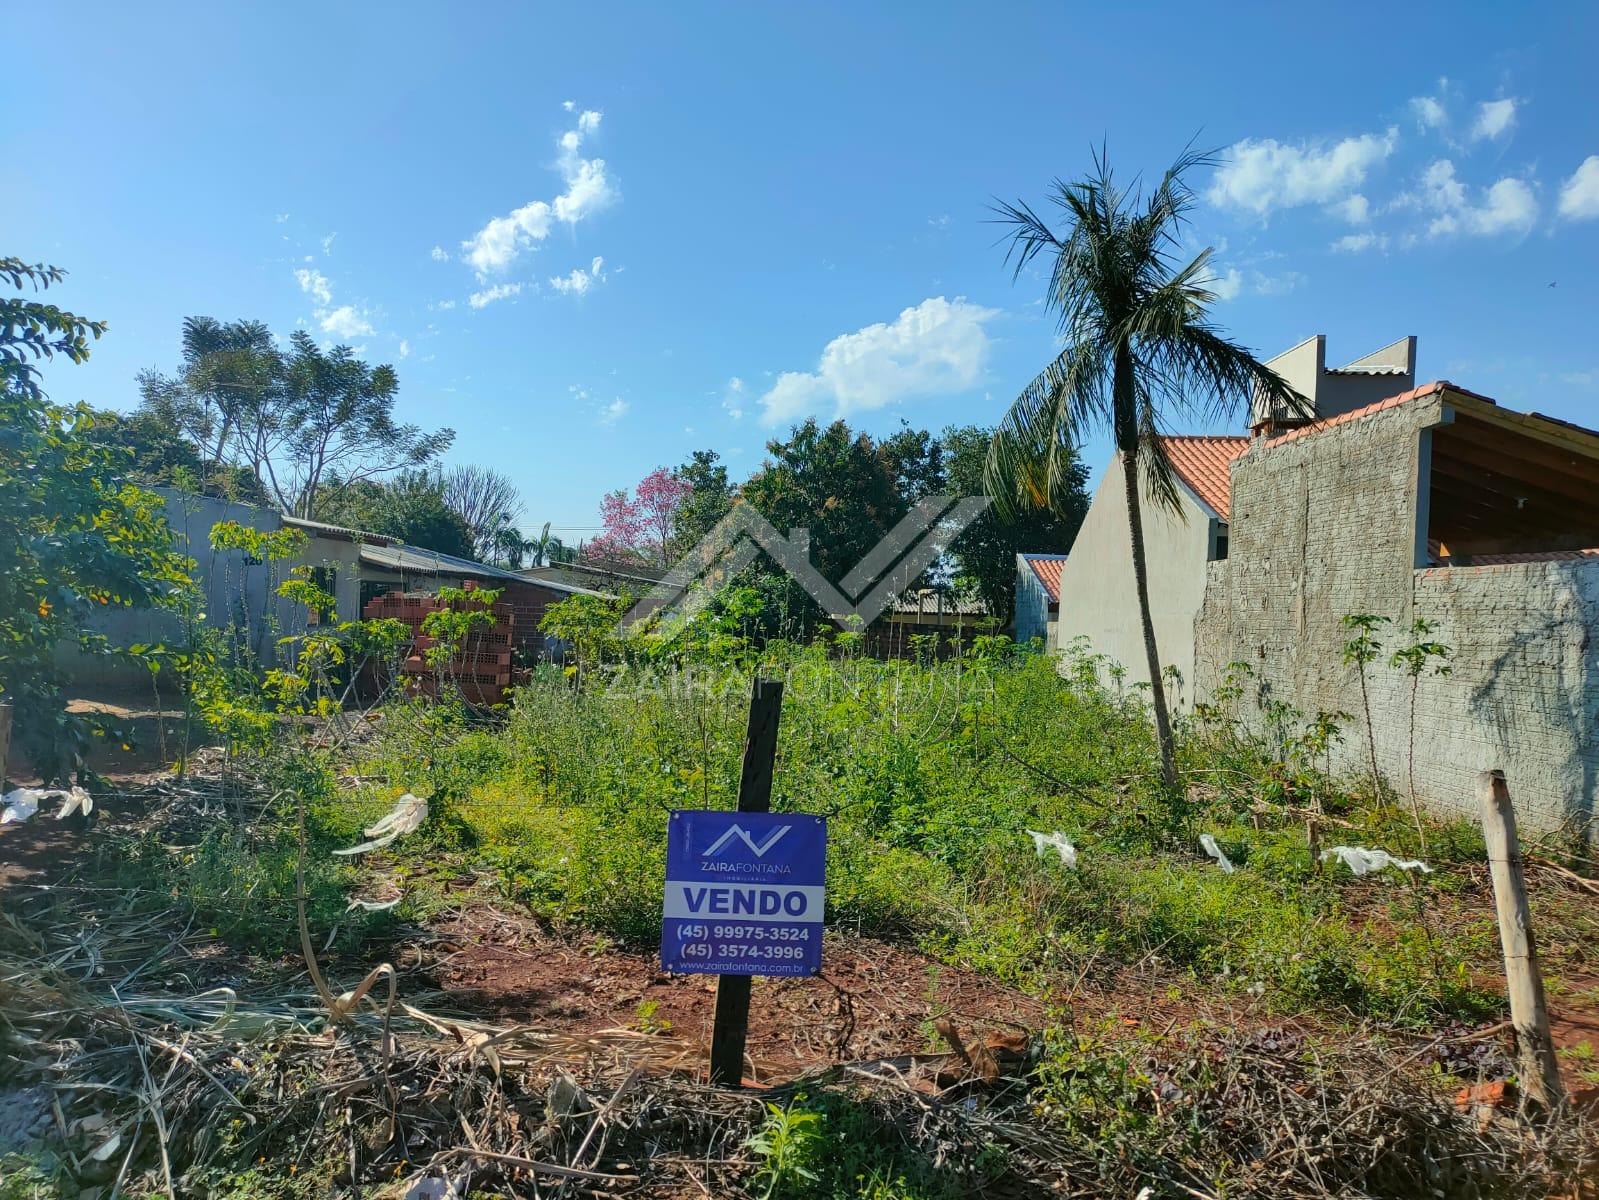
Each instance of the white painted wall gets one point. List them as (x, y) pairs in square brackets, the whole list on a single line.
[(1098, 597)]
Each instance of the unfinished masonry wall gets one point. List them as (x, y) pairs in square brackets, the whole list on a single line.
[(1326, 524)]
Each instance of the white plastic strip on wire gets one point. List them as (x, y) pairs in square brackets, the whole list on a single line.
[(21, 803), (406, 817), (1365, 862), (1208, 844), (1045, 842)]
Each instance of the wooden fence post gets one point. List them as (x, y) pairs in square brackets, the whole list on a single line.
[(1535, 1047), (730, 1026)]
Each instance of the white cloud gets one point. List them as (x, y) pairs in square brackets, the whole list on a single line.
[(327, 243), (1579, 195), (281, 218), (936, 348), (1507, 206), (441, 305), (489, 295), (1355, 209), (734, 397), (314, 284), (1227, 286), (613, 412), (1232, 283), (1260, 175), (1275, 285), (578, 281), (1494, 119), (439, 254), (405, 348), (1430, 111), (588, 189), (345, 322), (569, 105), (1356, 243)]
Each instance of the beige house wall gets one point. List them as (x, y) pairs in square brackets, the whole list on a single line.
[(1098, 597)]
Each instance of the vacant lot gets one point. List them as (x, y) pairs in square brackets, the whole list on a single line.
[(989, 1019)]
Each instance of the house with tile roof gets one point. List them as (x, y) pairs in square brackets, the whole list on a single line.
[(1095, 589), (1435, 504), (1037, 597), (1432, 504)]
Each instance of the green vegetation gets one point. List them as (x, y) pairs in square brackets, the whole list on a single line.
[(931, 774), (75, 537)]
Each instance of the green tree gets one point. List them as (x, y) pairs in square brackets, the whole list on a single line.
[(917, 460), (339, 413), (410, 507), (710, 500), (1138, 350), (75, 536), (230, 378), (833, 482), (985, 554), (162, 456)]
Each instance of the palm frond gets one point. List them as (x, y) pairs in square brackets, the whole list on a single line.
[(1029, 463)]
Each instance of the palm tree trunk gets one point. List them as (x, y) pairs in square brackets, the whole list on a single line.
[(1157, 687)]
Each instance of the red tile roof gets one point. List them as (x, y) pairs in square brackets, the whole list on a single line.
[(1204, 464), (1047, 568)]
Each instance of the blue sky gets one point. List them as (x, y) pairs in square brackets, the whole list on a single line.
[(593, 240)]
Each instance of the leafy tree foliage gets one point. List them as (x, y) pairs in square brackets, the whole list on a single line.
[(75, 537), (217, 398), (985, 554), (295, 419), (340, 417), (709, 499), (410, 507), (838, 484), (638, 528), (163, 456), (516, 551)]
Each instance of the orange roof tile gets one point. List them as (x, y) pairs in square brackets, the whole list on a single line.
[(1426, 389), (1047, 569), (1204, 464)]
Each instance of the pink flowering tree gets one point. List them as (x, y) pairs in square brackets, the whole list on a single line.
[(638, 528)]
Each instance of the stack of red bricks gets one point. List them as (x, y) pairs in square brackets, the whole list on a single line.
[(480, 670)]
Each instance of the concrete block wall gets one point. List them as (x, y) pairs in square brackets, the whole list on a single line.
[(1326, 524)]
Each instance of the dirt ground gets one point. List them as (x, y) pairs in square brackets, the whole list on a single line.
[(874, 999)]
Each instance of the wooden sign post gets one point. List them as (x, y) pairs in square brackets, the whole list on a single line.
[(1540, 1070), (732, 1022)]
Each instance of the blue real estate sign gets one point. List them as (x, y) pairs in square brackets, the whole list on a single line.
[(744, 893)]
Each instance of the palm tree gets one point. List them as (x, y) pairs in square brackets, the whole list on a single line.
[(509, 546), (546, 550), (1138, 348)]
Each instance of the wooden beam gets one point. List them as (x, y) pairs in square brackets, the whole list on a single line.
[(1465, 545), (1517, 496), (1504, 471), (1581, 442), (1485, 510), (1525, 453)]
